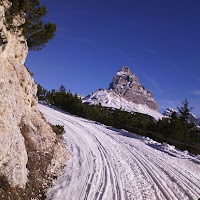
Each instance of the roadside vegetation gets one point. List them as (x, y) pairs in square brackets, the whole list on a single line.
[(58, 129), (173, 130)]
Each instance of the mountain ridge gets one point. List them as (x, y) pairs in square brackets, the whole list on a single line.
[(192, 118)]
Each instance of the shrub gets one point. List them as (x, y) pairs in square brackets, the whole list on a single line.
[(58, 129)]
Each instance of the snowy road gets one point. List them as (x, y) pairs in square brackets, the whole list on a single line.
[(104, 164)]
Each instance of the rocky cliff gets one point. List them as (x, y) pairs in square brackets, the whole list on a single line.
[(26, 139), (127, 85)]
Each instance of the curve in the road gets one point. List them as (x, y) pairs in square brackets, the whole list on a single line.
[(104, 165)]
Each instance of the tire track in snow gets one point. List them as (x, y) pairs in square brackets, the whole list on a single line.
[(184, 181), (144, 170), (108, 166), (106, 169)]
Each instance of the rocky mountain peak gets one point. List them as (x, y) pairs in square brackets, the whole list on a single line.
[(125, 93), (125, 69), (125, 73), (127, 85)]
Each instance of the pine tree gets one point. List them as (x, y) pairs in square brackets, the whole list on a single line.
[(62, 89), (34, 29), (185, 111), (41, 92)]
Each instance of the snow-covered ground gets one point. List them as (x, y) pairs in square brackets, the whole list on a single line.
[(109, 164)]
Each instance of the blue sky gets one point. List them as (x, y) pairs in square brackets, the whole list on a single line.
[(159, 40)]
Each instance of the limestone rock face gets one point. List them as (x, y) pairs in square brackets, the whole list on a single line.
[(21, 124), (127, 85)]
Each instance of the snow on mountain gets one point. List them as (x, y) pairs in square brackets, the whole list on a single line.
[(80, 96), (109, 98), (168, 112), (192, 118), (126, 93)]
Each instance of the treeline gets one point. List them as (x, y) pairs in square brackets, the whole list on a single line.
[(108, 116), (174, 130)]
